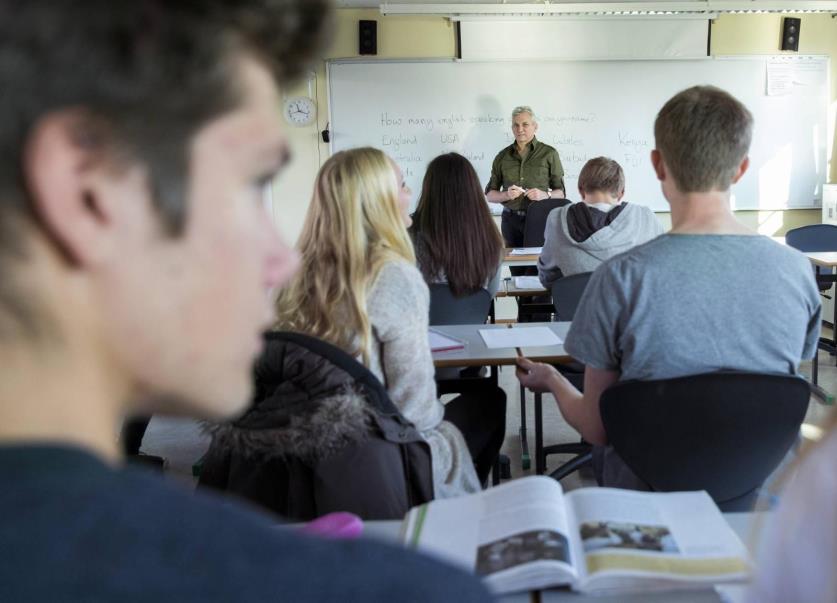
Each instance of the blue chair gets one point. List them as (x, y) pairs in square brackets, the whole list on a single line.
[(818, 237), (447, 309)]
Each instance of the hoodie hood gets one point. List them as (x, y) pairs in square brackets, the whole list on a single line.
[(602, 235), (584, 220)]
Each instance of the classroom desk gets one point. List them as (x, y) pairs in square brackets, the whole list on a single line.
[(520, 260), (744, 525), (510, 290), (475, 353)]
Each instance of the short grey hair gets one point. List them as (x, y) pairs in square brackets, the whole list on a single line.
[(524, 109)]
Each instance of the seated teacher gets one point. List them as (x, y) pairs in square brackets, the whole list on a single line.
[(524, 172)]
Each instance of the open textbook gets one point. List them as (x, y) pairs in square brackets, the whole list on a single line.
[(527, 534)]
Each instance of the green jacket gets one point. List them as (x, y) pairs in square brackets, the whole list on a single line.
[(541, 168)]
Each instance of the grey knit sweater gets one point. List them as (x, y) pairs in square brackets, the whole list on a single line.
[(398, 306)]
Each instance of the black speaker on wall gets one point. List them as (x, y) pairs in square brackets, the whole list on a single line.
[(790, 33), (367, 37)]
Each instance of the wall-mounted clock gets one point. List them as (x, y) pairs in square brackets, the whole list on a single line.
[(300, 111)]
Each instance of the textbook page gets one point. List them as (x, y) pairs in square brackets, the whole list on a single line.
[(647, 540), (526, 251), (516, 536)]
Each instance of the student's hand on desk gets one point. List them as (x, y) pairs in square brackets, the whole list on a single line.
[(536, 194), (535, 375)]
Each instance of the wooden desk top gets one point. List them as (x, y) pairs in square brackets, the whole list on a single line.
[(511, 291), (476, 353), (520, 260)]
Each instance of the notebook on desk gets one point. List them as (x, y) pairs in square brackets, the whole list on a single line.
[(439, 342)]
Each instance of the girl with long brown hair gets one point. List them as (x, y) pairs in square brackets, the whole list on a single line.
[(455, 237)]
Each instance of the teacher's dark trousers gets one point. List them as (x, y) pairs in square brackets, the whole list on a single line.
[(512, 225)]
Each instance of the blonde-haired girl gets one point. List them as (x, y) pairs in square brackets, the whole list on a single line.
[(358, 288)]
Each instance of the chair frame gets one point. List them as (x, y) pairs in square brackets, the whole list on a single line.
[(690, 454)]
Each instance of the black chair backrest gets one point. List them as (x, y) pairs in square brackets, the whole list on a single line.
[(536, 215), (566, 293), (814, 237), (722, 432), (446, 309)]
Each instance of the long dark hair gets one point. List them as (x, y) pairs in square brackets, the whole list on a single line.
[(452, 228)]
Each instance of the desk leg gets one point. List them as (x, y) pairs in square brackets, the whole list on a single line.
[(525, 459), (540, 461)]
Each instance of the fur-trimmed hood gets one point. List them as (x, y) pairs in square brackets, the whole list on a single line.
[(322, 435), (305, 405)]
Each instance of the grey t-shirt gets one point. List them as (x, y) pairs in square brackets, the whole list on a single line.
[(687, 304)]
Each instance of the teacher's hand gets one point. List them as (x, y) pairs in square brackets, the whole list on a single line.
[(514, 192), (536, 194)]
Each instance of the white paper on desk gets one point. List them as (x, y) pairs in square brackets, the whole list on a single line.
[(527, 282), (526, 251), (519, 337)]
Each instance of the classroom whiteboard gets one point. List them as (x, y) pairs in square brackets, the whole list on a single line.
[(417, 110)]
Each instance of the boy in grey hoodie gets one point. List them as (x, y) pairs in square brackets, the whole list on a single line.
[(581, 236)]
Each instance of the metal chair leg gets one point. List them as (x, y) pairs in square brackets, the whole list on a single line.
[(525, 459), (540, 460)]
